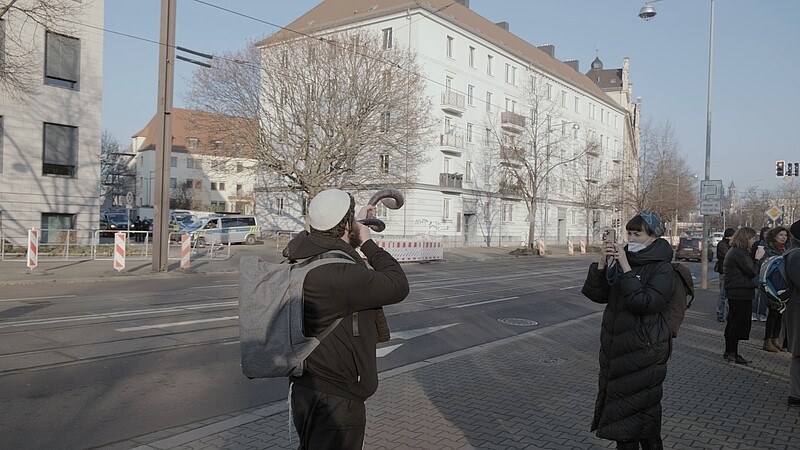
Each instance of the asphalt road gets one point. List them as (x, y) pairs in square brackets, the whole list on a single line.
[(87, 365)]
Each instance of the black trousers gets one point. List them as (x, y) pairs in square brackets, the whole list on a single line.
[(325, 421), (773, 325), (646, 444), (737, 327)]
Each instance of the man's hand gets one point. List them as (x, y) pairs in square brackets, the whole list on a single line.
[(361, 230)]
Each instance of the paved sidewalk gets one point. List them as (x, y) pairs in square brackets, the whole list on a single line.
[(536, 391)]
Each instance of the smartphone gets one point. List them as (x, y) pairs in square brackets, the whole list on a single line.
[(610, 235)]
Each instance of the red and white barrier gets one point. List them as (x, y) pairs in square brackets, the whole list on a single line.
[(542, 248), (186, 250), (583, 246), (570, 248), (119, 251), (406, 250), (33, 248)]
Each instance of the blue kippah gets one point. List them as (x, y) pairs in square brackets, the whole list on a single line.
[(653, 222)]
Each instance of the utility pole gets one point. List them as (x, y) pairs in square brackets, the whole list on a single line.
[(166, 76)]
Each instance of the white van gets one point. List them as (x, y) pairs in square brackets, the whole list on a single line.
[(224, 229)]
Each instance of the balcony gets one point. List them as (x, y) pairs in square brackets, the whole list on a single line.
[(593, 149), (616, 157), (451, 180), (511, 155), (451, 143), (454, 102), (512, 121), (510, 188)]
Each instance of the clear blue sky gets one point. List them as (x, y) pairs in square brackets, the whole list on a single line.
[(755, 103)]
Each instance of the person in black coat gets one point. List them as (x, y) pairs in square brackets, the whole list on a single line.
[(722, 249), (635, 282), (739, 271)]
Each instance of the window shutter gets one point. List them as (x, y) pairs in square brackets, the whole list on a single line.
[(62, 57), (60, 144)]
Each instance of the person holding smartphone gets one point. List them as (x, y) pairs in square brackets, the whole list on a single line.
[(634, 281)]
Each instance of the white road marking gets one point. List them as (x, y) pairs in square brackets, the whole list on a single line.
[(174, 324), (36, 298), (466, 305), (383, 351), (410, 334), (214, 286), (570, 287)]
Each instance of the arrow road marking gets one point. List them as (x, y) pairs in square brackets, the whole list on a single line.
[(409, 334)]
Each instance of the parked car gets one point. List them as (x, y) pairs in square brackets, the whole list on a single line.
[(691, 248), (220, 229), (715, 237)]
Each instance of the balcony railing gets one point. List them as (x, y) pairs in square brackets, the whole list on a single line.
[(593, 150), (511, 188), (512, 121), (451, 180), (511, 154), (454, 102), (452, 141)]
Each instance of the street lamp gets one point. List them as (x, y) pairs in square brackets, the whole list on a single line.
[(646, 13)]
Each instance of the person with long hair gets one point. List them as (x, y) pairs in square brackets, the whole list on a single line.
[(739, 271), (776, 241), (635, 282)]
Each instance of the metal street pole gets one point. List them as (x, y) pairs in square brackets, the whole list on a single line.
[(166, 75), (704, 253)]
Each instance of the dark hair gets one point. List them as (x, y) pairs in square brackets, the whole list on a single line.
[(637, 223), (339, 230), (772, 234), (728, 232), (742, 237), (763, 233)]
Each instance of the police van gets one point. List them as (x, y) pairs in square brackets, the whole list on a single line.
[(225, 229)]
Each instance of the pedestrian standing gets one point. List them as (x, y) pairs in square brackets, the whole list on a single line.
[(791, 316), (759, 312), (777, 240), (722, 249), (739, 271), (327, 401), (635, 283)]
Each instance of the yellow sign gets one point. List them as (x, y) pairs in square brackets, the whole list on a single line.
[(774, 213)]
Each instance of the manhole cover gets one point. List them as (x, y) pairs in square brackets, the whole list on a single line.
[(518, 322)]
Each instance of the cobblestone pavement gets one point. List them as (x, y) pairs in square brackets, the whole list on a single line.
[(536, 391)]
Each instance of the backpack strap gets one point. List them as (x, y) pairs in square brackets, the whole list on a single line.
[(332, 254)]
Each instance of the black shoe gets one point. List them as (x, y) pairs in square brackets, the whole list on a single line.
[(793, 401), (727, 356), (739, 360)]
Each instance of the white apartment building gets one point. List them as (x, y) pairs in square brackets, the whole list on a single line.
[(50, 141), (208, 169), (477, 73)]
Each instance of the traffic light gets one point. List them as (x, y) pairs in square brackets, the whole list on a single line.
[(796, 169), (779, 169)]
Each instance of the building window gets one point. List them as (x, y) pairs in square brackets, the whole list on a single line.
[(221, 186), (511, 105), (213, 185), (173, 183), (468, 171), (577, 105), (450, 46), (189, 163), (471, 95), (472, 57), (60, 150), (387, 38), (239, 189), (2, 42), (384, 163), (489, 102), (381, 210), (469, 132), (239, 167), (446, 165), (192, 143), (218, 206), (563, 99), (549, 91), (489, 64), (173, 161), (62, 60), (304, 205), (448, 83), (508, 210), (385, 120), (1, 118), (279, 205), (54, 226), (488, 137), (511, 74), (446, 209)]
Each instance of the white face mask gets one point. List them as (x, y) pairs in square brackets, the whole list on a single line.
[(635, 247)]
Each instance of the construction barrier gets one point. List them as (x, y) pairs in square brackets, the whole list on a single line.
[(583, 246), (33, 248), (186, 250), (406, 250), (542, 248), (570, 250), (119, 251)]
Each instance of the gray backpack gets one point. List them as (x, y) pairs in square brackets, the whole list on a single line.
[(271, 315)]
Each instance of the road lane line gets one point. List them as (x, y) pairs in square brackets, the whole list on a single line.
[(570, 287), (215, 286), (174, 324), (484, 302), (36, 298)]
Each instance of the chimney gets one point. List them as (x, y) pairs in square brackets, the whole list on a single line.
[(503, 25), (574, 63), (549, 49), (464, 3)]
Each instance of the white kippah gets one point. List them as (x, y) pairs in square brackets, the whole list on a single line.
[(328, 208)]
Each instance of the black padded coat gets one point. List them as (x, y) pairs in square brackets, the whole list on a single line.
[(635, 343)]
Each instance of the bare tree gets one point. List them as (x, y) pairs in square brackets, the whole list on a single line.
[(666, 183), (751, 212), (787, 197), (21, 24), (532, 148), (116, 177), (335, 110)]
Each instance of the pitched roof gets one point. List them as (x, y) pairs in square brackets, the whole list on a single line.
[(208, 128), (607, 79), (339, 13)]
